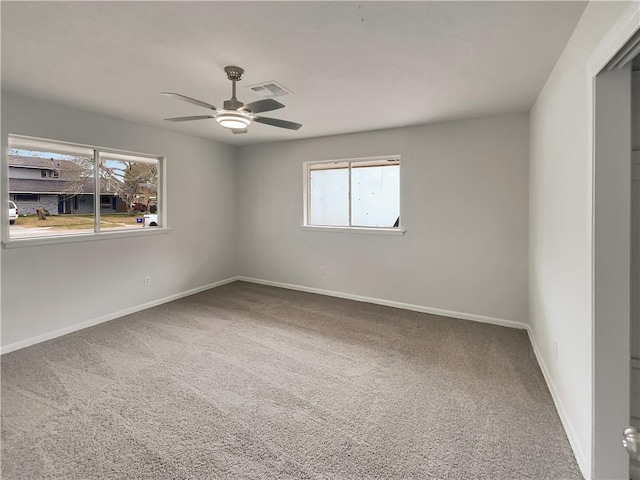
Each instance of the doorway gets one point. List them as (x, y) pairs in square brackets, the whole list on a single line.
[(615, 252), (635, 256)]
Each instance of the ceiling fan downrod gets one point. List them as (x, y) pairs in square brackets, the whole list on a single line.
[(235, 75)]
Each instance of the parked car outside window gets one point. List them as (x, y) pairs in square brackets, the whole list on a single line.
[(150, 220), (13, 212)]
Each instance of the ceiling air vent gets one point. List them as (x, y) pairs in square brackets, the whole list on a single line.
[(269, 90)]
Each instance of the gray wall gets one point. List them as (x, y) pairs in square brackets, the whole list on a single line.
[(79, 282), (464, 204)]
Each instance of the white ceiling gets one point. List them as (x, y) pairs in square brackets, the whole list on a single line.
[(351, 66)]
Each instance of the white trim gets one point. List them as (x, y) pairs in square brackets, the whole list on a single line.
[(83, 237), (306, 173), (626, 54), (617, 36), (111, 316), (562, 412), (633, 470), (97, 194), (369, 230), (331, 293), (390, 303), (395, 156)]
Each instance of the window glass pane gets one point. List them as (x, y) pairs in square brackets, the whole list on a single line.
[(375, 195), (53, 192), (329, 194), (128, 192)]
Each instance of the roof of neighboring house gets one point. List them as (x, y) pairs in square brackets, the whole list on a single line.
[(54, 186), (22, 185), (35, 162)]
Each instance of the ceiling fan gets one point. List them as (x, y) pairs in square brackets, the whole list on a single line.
[(235, 115)]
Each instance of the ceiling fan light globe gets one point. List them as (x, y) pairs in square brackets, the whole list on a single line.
[(233, 120), (233, 124)]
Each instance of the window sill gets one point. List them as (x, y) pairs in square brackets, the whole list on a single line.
[(84, 237), (370, 231)]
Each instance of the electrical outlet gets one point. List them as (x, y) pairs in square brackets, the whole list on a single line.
[(321, 270), (147, 281)]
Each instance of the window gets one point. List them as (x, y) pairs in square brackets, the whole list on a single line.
[(362, 193), (49, 173), (83, 189), (27, 197)]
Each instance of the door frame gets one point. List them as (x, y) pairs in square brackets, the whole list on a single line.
[(610, 243)]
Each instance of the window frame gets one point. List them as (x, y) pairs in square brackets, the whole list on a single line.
[(306, 204), (97, 234)]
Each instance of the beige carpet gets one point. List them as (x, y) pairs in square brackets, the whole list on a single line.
[(254, 382)]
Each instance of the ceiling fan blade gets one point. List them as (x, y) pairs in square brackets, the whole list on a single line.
[(239, 130), (187, 119), (263, 106), (189, 100), (276, 122)]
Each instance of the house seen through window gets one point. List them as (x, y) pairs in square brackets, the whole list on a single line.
[(354, 193), (65, 189)]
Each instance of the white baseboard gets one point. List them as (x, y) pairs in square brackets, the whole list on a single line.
[(391, 303), (105, 318), (562, 412)]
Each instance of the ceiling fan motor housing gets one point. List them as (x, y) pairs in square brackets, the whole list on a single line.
[(234, 73), (232, 104)]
